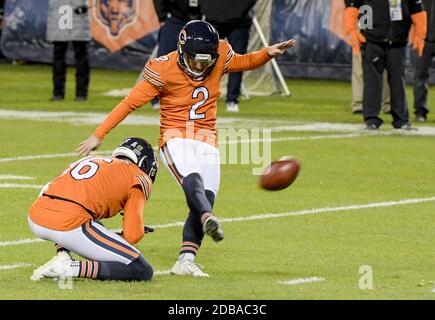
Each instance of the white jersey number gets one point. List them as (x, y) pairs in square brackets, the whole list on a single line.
[(88, 168), (192, 114)]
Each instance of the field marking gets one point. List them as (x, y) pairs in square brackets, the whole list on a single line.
[(162, 273), (309, 211), (48, 156), (318, 137), (14, 266), (12, 177), (20, 186), (302, 281), (272, 215), (108, 152), (96, 118), (19, 242)]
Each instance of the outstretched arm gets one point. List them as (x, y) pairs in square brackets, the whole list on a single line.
[(256, 59), (141, 94)]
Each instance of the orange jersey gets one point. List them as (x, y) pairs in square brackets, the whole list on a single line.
[(94, 188), (188, 108)]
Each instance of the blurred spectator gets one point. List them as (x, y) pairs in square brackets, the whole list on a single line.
[(173, 15), (423, 63), (385, 48), (233, 20), (68, 21)]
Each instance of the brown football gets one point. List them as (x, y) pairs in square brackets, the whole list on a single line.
[(280, 173)]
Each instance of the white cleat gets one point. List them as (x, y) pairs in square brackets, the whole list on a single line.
[(188, 268), (232, 107), (48, 270)]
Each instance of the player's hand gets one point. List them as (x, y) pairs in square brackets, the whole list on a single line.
[(418, 44), (280, 48), (90, 144), (356, 39)]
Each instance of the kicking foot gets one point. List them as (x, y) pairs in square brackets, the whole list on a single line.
[(188, 268), (211, 227)]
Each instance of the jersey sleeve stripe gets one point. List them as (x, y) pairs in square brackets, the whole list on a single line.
[(152, 72), (150, 75), (153, 81), (145, 186), (230, 57)]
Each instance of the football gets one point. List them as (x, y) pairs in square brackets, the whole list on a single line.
[(280, 174)]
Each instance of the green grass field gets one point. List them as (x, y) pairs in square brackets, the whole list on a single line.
[(360, 177)]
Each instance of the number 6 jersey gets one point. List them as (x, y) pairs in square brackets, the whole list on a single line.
[(187, 108), (94, 188)]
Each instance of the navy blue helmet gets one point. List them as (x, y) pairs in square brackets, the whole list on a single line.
[(140, 152), (198, 44)]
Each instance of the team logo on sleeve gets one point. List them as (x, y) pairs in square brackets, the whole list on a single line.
[(117, 23)]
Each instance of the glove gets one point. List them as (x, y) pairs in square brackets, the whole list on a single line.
[(420, 22), (350, 23)]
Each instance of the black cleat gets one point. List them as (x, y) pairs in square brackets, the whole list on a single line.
[(212, 228), (56, 98), (80, 98)]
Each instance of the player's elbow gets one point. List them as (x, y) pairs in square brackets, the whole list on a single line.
[(134, 237)]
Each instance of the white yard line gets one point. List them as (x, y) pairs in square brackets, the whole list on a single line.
[(302, 281), (19, 242), (95, 118), (12, 177), (20, 186), (162, 273), (14, 266), (40, 156), (274, 215), (48, 156), (72, 154), (318, 137)]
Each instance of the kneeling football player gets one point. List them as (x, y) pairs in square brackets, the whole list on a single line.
[(69, 207)]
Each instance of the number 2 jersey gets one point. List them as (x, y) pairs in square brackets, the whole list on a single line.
[(94, 188), (188, 108)]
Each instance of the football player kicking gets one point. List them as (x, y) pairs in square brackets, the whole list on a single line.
[(187, 81), (97, 188)]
